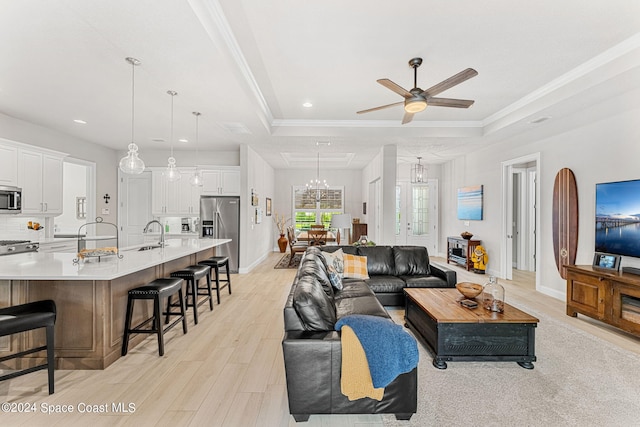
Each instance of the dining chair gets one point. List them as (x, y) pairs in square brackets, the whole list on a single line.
[(294, 245), (317, 237)]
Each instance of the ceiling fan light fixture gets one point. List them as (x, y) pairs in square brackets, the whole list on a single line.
[(415, 106)]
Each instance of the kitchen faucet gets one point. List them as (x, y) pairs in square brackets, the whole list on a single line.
[(146, 228)]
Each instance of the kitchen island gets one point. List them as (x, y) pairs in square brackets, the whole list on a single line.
[(91, 296)]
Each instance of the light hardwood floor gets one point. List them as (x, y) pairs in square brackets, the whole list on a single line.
[(228, 370)]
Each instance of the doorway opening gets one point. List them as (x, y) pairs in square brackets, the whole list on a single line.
[(520, 218)]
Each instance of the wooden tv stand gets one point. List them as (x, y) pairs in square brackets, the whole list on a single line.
[(612, 297), (459, 251)]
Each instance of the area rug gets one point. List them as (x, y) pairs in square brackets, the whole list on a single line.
[(284, 261), (578, 380)]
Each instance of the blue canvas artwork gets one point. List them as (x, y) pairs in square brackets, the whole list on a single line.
[(470, 202)]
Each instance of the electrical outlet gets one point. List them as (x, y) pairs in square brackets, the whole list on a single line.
[(105, 211), (466, 223)]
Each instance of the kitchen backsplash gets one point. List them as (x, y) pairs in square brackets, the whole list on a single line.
[(15, 228)]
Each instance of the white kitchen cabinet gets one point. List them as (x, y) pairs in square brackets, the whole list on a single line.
[(174, 198), (40, 176), (8, 165), (221, 182)]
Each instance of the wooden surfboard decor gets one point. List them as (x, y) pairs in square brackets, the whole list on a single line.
[(565, 220)]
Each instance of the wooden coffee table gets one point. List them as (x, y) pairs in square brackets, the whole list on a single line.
[(456, 333)]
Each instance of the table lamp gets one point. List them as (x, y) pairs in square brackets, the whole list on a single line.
[(339, 221)]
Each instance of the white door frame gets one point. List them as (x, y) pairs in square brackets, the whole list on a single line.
[(506, 267)]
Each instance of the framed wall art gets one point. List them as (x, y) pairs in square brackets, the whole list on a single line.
[(470, 202), (268, 207)]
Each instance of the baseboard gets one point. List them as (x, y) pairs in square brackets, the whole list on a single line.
[(554, 293), (245, 270)]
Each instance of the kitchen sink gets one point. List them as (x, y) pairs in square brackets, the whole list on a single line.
[(149, 247)]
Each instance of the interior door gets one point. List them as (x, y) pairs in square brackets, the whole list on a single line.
[(135, 207), (417, 215)]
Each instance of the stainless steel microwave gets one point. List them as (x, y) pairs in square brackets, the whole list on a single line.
[(10, 200)]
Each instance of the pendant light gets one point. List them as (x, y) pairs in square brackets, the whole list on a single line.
[(172, 173), (131, 163), (196, 178), (418, 174)]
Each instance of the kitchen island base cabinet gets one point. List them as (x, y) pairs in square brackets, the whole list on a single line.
[(90, 314)]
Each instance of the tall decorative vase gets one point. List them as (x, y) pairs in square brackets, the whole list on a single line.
[(282, 243)]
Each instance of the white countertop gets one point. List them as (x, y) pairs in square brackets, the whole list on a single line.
[(60, 266)]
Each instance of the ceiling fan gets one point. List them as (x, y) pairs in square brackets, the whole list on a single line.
[(416, 99)]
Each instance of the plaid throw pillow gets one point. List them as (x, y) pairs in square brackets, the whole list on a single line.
[(355, 266), (334, 278)]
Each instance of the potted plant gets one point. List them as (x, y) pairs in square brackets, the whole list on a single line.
[(281, 223)]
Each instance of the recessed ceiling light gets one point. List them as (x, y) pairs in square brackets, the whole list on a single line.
[(157, 139), (79, 121), (183, 140), (307, 105)]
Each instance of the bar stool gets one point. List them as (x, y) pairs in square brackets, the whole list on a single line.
[(26, 317), (156, 290), (215, 262), (192, 275)]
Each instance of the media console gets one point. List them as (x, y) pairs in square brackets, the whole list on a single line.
[(610, 296)]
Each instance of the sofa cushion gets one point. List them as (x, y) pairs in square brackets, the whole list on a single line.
[(313, 305), (380, 259), (345, 249), (411, 260), (367, 304), (424, 281), (353, 288), (385, 284), (313, 265), (355, 266)]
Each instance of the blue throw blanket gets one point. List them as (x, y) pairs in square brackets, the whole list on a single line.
[(390, 350)]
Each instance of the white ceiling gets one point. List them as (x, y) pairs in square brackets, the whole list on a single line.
[(249, 65)]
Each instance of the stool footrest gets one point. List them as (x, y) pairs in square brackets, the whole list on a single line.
[(23, 372), (23, 353)]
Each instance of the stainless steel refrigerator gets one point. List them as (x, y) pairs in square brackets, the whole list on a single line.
[(220, 219)]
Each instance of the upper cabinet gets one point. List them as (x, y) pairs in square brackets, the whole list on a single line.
[(8, 165), (174, 198), (221, 182), (40, 177)]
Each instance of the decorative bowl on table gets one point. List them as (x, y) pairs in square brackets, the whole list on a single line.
[(466, 235), (469, 290)]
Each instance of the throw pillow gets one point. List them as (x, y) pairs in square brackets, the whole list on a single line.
[(334, 278), (335, 259), (355, 266)]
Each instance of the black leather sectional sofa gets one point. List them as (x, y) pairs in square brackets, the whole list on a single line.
[(312, 348)]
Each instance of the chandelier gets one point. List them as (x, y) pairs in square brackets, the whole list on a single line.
[(418, 174), (317, 189)]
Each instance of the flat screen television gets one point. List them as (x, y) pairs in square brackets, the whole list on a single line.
[(618, 218)]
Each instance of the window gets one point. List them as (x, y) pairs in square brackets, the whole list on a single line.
[(307, 210), (420, 211)]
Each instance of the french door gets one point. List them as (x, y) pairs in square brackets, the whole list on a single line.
[(417, 214)]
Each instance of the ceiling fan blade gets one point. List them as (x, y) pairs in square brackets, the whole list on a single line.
[(407, 118), (394, 87), (450, 82), (450, 102), (380, 108)]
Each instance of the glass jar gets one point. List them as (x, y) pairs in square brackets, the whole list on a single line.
[(493, 295)]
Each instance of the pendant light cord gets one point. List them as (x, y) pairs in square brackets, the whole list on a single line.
[(133, 98)]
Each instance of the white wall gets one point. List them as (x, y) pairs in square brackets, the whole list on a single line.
[(106, 159), (600, 151), (75, 185), (256, 240), (384, 168)]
